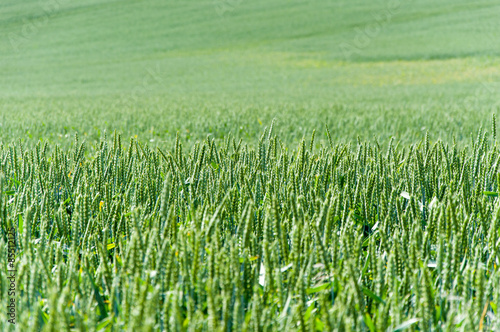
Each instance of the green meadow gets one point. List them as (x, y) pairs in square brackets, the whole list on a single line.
[(152, 68)]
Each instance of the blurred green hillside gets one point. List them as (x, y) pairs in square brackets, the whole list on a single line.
[(151, 68)]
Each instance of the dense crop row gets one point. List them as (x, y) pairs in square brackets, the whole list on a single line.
[(230, 238)]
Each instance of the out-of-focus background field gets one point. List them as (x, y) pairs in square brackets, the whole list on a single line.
[(154, 68)]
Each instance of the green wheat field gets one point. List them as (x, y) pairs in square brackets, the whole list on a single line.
[(249, 165)]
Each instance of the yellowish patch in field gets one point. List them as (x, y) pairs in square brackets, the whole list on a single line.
[(380, 73), (421, 72)]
